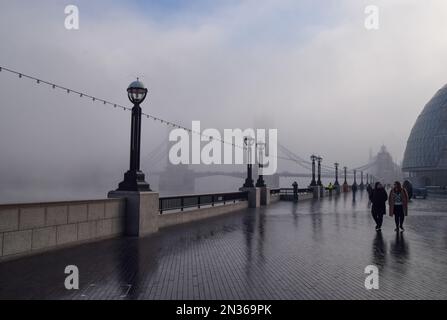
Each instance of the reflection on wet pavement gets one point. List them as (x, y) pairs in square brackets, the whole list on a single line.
[(309, 250)]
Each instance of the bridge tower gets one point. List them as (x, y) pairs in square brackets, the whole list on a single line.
[(384, 168), (265, 120), (175, 179)]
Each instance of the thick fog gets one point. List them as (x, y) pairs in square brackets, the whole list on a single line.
[(308, 68)]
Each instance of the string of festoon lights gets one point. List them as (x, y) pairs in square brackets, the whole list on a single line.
[(96, 99), (80, 94)]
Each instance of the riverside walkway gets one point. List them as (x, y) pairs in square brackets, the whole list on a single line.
[(309, 250)]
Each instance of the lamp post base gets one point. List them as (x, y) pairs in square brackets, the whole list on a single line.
[(248, 184), (134, 181), (142, 213), (260, 183), (254, 197)]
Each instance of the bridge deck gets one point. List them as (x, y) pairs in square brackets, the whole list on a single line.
[(310, 250)]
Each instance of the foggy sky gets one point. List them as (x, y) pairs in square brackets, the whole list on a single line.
[(308, 68)]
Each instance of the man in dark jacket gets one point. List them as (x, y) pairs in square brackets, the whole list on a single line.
[(409, 188), (379, 198)]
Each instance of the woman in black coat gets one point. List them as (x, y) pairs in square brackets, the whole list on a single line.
[(379, 198)]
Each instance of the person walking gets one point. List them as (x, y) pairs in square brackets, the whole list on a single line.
[(409, 188), (330, 187), (295, 191), (398, 202), (369, 189), (378, 198)]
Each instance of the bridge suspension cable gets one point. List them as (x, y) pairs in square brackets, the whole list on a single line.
[(366, 166), (304, 163), (156, 151)]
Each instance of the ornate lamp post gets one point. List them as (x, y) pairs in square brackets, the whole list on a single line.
[(319, 159), (336, 184), (260, 183), (134, 179), (355, 179), (249, 141), (313, 183)]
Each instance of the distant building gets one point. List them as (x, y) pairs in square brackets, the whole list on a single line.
[(384, 168), (425, 157)]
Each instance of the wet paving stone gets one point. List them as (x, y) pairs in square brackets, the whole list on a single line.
[(309, 250)]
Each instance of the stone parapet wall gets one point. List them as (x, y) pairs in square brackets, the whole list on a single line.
[(32, 228)]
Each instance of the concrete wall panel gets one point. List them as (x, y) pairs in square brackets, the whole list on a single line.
[(16, 242), (56, 215), (9, 220), (44, 238), (31, 217)]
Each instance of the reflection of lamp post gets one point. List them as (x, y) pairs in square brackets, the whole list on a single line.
[(362, 185), (260, 182), (336, 174), (313, 183), (134, 178), (345, 174), (345, 183), (319, 159), (248, 141)]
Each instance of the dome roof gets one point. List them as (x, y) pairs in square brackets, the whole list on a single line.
[(137, 84), (428, 138)]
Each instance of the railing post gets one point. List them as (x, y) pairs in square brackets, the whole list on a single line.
[(182, 203), (142, 212), (198, 202)]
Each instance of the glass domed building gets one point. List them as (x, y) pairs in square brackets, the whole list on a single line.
[(425, 157)]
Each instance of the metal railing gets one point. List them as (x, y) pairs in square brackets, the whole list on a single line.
[(289, 191), (288, 194), (198, 200)]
